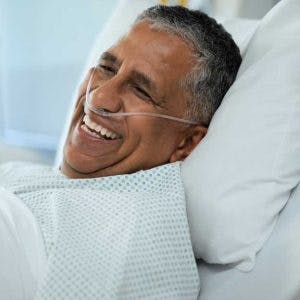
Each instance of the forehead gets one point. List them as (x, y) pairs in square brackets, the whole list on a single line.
[(163, 56)]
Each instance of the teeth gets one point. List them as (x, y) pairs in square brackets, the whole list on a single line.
[(98, 128)]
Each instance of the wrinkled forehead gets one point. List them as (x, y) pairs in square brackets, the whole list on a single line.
[(156, 46)]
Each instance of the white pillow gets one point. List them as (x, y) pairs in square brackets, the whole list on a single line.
[(276, 272), (240, 176), (241, 31)]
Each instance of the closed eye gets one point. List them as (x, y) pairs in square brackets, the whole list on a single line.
[(107, 69), (142, 94)]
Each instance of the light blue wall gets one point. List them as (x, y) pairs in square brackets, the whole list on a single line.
[(44, 45), (1, 66)]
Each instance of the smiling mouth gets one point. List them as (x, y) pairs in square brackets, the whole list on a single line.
[(97, 130)]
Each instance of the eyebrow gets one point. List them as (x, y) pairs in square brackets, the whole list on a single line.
[(109, 57), (143, 79)]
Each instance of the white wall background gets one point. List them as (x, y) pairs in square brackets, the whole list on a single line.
[(43, 48)]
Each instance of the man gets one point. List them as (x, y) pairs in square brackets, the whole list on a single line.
[(121, 237), (173, 61)]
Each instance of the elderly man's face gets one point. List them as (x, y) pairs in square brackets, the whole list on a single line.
[(141, 73)]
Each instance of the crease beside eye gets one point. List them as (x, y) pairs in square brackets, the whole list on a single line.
[(145, 96), (144, 93)]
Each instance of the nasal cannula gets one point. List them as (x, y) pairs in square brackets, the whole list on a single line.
[(104, 113)]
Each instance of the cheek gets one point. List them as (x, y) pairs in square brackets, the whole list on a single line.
[(145, 127), (79, 106), (153, 133)]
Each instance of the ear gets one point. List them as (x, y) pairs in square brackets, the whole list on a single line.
[(188, 143)]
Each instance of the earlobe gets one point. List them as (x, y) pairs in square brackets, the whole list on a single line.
[(177, 155), (188, 144)]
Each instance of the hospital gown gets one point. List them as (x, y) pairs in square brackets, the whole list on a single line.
[(117, 237)]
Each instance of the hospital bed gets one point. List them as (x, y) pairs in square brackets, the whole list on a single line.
[(274, 271)]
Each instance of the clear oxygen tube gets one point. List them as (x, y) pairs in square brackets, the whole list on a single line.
[(104, 113)]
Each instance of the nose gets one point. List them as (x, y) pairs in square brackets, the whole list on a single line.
[(104, 93)]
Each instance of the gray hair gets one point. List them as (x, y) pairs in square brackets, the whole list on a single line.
[(217, 56)]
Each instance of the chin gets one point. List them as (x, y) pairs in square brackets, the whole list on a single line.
[(76, 165)]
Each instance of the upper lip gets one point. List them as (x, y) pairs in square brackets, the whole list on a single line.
[(103, 123)]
